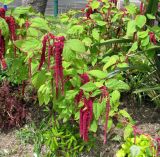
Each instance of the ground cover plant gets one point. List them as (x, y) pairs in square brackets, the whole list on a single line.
[(80, 66)]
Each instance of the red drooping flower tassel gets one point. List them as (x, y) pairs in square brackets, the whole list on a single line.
[(86, 115), (2, 13), (58, 68), (152, 38), (3, 63), (2, 52), (44, 43), (56, 50), (12, 28), (84, 79), (89, 12), (142, 8), (105, 94)]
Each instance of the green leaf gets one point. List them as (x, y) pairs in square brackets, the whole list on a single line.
[(39, 79), (30, 44), (4, 28), (33, 32), (21, 10), (97, 110), (140, 20), (95, 34), (76, 45), (145, 41), (142, 34), (96, 92), (88, 87), (76, 29), (132, 8), (68, 54), (115, 96), (151, 17), (111, 61), (131, 28), (134, 47), (40, 23), (95, 5), (94, 126), (128, 131), (101, 23), (87, 41), (125, 114), (98, 74), (71, 94), (117, 85)]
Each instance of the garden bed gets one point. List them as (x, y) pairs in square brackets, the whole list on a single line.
[(147, 117)]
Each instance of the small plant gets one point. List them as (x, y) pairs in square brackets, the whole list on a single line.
[(12, 108), (143, 147)]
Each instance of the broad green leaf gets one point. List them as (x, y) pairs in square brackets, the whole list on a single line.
[(132, 8), (99, 84), (39, 23), (142, 34), (71, 94), (88, 87), (97, 110), (96, 92), (32, 32), (98, 74), (39, 79), (95, 5), (95, 34), (76, 45), (121, 153), (115, 96), (117, 85), (76, 29), (112, 60), (94, 126), (68, 54), (145, 41), (87, 41), (30, 44), (4, 28), (140, 20), (125, 114), (101, 23), (21, 10), (128, 131), (134, 47), (110, 123), (151, 17), (131, 28)]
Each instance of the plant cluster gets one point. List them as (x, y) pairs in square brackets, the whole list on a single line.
[(12, 109), (81, 66)]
